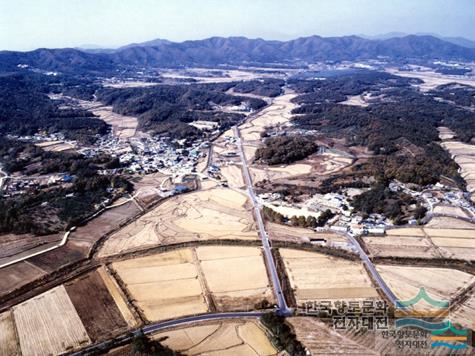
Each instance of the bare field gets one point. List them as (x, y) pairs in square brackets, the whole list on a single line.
[(321, 339), (164, 286), (316, 276), (440, 283), (49, 324), (235, 276), (240, 338), (14, 246), (216, 213), (96, 308), (9, 345), (17, 275), (118, 296)]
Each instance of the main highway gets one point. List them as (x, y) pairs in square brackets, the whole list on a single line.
[(282, 304)]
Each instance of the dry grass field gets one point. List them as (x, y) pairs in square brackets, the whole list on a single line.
[(235, 276), (164, 286), (316, 276), (49, 324), (96, 308), (9, 345), (217, 213), (440, 283), (321, 339), (233, 338)]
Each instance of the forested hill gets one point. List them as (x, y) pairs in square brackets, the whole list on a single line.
[(237, 50)]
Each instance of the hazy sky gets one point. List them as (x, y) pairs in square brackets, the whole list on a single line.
[(29, 24)]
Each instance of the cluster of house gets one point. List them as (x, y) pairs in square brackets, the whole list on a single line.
[(21, 185)]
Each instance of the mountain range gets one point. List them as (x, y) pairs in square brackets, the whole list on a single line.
[(238, 51)]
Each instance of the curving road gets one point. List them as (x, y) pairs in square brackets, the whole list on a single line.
[(372, 269), (152, 328)]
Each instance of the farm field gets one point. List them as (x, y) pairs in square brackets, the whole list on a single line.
[(118, 296), (450, 210), (164, 286), (316, 276), (233, 174), (400, 245), (55, 146), (280, 232), (17, 275), (236, 276), (445, 133), (8, 340), (464, 156), (442, 237), (321, 339), (123, 127), (432, 79), (95, 306), (243, 338), (216, 213), (40, 333), (279, 112), (465, 314), (147, 188), (15, 246), (441, 222), (439, 283), (259, 172)]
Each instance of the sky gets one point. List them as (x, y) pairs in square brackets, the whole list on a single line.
[(30, 24)]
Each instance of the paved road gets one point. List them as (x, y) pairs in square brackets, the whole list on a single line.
[(283, 308), (162, 326), (372, 269)]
